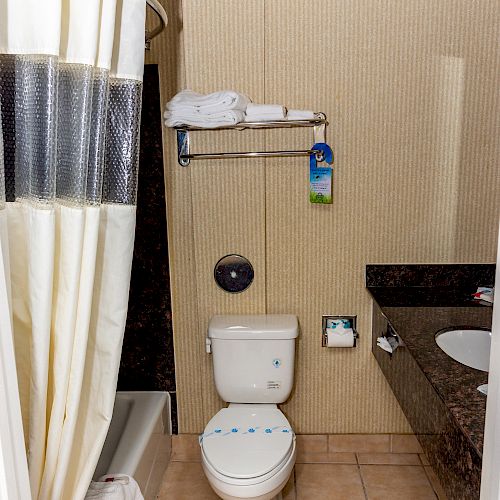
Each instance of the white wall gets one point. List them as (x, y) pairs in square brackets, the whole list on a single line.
[(490, 479)]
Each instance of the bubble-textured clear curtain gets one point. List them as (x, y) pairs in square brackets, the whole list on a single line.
[(70, 101)]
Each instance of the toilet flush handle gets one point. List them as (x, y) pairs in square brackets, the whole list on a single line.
[(208, 345)]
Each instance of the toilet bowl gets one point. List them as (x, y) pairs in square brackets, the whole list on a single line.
[(248, 448), (248, 451)]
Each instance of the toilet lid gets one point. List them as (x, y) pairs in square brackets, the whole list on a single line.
[(247, 442)]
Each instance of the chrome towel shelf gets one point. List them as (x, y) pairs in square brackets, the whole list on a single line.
[(185, 156)]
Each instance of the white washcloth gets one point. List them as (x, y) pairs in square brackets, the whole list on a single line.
[(485, 293), (483, 389), (122, 487), (384, 344), (300, 114), (214, 120), (224, 100), (264, 112)]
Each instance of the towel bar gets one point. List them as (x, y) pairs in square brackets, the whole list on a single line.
[(184, 156)]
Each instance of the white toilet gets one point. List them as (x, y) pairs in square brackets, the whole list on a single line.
[(248, 449)]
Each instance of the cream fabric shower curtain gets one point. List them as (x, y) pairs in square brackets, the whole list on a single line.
[(70, 98)]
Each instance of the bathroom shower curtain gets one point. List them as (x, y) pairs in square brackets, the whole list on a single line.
[(70, 99)]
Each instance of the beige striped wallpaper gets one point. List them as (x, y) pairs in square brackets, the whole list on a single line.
[(411, 92)]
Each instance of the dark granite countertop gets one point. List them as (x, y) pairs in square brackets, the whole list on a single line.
[(455, 384), (438, 395)]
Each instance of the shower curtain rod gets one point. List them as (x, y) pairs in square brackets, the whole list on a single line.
[(162, 16)]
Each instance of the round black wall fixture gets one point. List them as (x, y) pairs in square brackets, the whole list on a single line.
[(233, 273)]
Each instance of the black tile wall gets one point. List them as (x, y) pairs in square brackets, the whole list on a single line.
[(147, 362)]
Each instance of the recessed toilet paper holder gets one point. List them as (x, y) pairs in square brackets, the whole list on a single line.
[(324, 325)]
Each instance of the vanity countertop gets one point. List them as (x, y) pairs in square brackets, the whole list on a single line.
[(455, 384), (438, 395)]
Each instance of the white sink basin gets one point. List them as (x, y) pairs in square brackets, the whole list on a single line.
[(468, 346)]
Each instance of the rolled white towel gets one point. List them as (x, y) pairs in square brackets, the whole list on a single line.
[(188, 100), (114, 487), (214, 120), (300, 114), (264, 112)]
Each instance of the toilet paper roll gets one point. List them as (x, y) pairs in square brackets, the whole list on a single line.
[(343, 337)]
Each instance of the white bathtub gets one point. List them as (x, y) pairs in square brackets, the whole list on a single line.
[(139, 439)]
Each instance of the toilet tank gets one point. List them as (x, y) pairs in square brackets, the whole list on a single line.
[(253, 356)]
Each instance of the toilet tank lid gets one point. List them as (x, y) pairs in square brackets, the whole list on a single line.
[(253, 327)]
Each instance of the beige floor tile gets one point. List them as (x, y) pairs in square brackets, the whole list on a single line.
[(185, 481), (326, 458), (185, 448), (438, 489), (424, 459), (312, 443), (405, 443), (328, 482), (389, 458), (288, 492), (396, 482), (359, 443)]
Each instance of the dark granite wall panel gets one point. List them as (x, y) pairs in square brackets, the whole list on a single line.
[(433, 275), (147, 362)]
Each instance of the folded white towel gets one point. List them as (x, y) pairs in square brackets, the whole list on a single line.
[(114, 487), (214, 120), (208, 103), (300, 114), (264, 112)]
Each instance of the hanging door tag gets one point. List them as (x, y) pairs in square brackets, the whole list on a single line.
[(320, 177)]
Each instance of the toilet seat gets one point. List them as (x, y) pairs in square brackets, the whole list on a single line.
[(249, 482), (247, 444)]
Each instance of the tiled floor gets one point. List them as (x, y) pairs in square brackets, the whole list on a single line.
[(336, 467)]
